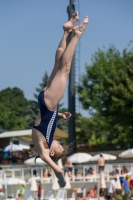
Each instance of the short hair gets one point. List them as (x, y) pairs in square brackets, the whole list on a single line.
[(101, 155), (19, 195), (115, 179), (57, 156)]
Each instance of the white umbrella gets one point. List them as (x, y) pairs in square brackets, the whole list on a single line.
[(118, 184), (31, 161), (68, 185), (13, 147), (33, 187), (126, 154), (106, 157), (80, 157), (12, 181), (55, 185), (59, 163), (33, 184), (102, 180)]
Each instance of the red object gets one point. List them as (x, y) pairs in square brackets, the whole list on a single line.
[(131, 182)]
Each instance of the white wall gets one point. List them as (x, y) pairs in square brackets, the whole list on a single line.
[(22, 143)]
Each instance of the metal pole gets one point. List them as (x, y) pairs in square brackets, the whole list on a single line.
[(71, 90)]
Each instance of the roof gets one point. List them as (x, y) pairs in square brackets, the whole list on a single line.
[(26, 134), (9, 134)]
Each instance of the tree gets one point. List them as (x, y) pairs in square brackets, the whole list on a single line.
[(13, 107), (61, 123), (90, 130), (33, 104), (42, 85), (106, 90)]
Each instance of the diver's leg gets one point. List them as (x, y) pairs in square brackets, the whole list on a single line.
[(67, 27), (56, 88)]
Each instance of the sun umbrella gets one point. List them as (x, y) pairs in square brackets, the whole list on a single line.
[(59, 163), (31, 161), (13, 147), (106, 157), (33, 187), (126, 154), (80, 157), (68, 185), (33, 184), (55, 185), (102, 180), (12, 181), (118, 184)]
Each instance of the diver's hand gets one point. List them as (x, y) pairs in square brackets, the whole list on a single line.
[(61, 179), (66, 115)]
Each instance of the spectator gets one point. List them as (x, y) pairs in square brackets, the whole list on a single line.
[(39, 191), (113, 173), (125, 185), (34, 172), (91, 193), (111, 188), (101, 164), (125, 170), (49, 172), (101, 192), (121, 177), (22, 190), (68, 167), (20, 197), (91, 172), (45, 173)]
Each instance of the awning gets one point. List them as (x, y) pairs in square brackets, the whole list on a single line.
[(26, 134)]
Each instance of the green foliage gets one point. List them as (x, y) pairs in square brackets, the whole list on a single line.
[(106, 90), (61, 123), (91, 130), (13, 107), (33, 105), (33, 109), (42, 85)]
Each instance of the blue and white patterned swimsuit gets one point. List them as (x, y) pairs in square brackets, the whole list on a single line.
[(47, 125)]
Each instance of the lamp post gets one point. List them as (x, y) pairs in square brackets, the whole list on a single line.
[(71, 90)]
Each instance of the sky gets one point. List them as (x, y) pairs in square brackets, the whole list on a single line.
[(30, 32)]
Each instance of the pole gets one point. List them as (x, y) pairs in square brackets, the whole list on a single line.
[(71, 90)]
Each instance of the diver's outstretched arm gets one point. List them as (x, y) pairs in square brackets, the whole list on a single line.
[(58, 172)]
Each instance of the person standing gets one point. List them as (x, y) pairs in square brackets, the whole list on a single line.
[(111, 188), (39, 191), (68, 167), (125, 185), (22, 190), (20, 197), (101, 164)]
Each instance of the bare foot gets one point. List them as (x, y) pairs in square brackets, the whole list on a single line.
[(72, 23), (79, 30)]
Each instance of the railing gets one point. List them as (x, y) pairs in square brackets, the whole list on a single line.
[(25, 172)]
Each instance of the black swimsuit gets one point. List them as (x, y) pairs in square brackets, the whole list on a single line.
[(47, 125)]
